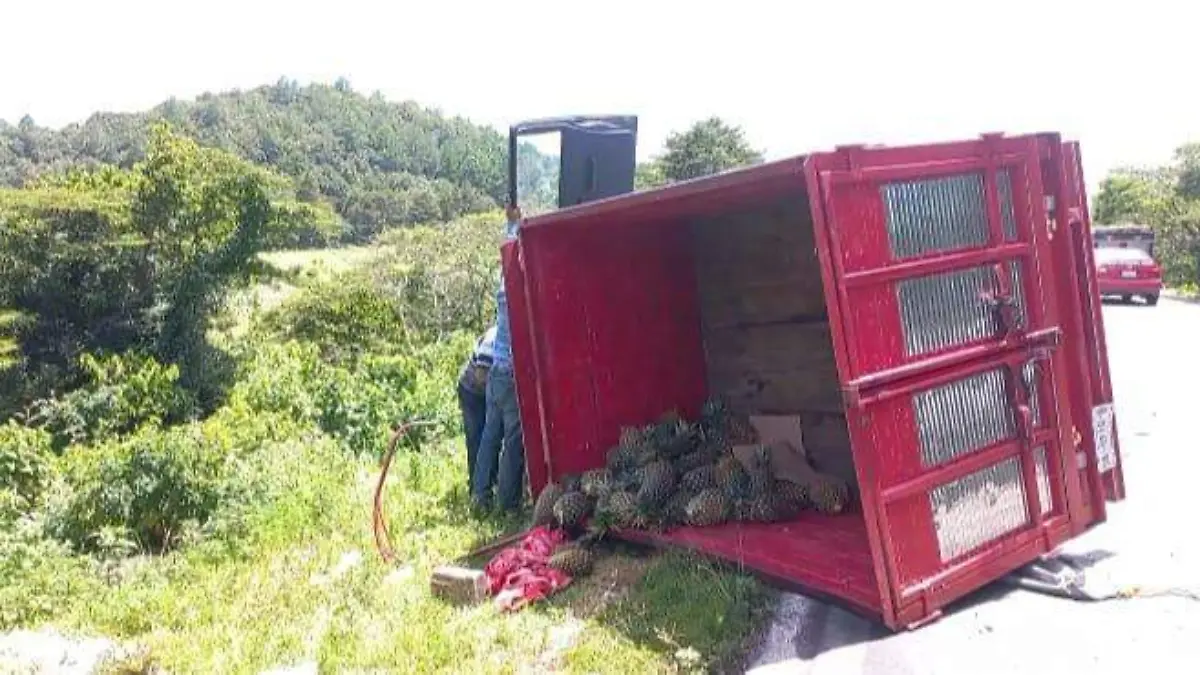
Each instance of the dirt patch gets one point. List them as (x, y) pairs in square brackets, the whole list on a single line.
[(617, 570)]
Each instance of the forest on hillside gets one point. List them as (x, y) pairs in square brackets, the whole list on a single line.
[(377, 162)]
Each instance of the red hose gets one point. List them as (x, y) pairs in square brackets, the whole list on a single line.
[(383, 538)]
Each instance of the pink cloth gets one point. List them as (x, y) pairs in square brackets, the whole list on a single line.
[(521, 574)]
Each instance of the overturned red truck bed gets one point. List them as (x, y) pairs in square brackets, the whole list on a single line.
[(930, 313)]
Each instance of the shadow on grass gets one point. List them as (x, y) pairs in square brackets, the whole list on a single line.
[(687, 611)]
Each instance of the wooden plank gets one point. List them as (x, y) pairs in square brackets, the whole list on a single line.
[(774, 369)]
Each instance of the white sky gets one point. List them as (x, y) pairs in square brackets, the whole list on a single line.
[(798, 76)]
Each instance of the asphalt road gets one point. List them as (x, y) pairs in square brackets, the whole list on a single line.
[(1151, 541)]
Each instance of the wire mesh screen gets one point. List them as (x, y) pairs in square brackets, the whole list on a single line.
[(944, 214), (963, 416), (978, 508), (946, 310), (1008, 212), (938, 214)]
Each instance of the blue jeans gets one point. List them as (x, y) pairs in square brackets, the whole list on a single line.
[(474, 408), (501, 448)]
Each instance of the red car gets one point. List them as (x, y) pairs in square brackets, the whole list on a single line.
[(1128, 272)]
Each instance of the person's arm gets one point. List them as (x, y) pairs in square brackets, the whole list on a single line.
[(513, 213)]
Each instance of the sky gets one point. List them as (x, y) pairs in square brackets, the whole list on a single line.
[(796, 76)]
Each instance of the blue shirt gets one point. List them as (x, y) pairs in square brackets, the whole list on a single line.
[(502, 345), (482, 356)]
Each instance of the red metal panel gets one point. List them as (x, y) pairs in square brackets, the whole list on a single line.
[(1088, 297), (525, 368), (825, 555), (920, 240), (617, 330)]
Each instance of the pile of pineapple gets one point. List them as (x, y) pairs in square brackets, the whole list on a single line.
[(673, 473)]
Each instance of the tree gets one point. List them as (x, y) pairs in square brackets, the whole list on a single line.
[(1129, 196), (111, 260), (709, 146), (1167, 198), (649, 175)]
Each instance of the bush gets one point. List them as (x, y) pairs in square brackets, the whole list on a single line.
[(123, 392), (26, 467), (158, 487), (345, 316), (355, 402), (445, 276)]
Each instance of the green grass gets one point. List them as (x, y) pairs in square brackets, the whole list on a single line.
[(277, 603), (332, 259), (273, 600)]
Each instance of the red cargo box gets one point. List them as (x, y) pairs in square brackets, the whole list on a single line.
[(934, 306)]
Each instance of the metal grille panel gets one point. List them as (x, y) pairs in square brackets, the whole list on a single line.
[(938, 214), (978, 508), (963, 416), (1008, 211), (948, 310), (942, 310), (1045, 496)]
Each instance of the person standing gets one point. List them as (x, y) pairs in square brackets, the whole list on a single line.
[(501, 446), (472, 401)]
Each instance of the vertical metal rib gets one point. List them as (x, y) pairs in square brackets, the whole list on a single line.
[(963, 416), (978, 508), (1031, 376), (1016, 276), (938, 214), (1008, 210), (944, 310), (1045, 498)]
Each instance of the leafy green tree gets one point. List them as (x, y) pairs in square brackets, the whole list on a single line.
[(1167, 198), (1131, 196), (709, 146), (649, 175), (113, 260)]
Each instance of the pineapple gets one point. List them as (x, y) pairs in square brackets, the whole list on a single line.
[(658, 479), (543, 508), (675, 510), (570, 482), (731, 477), (571, 508), (741, 511), (761, 478), (699, 478), (739, 431), (827, 494), (790, 493), (622, 507), (710, 507), (786, 507), (705, 455), (673, 436), (621, 458), (573, 558), (596, 482), (762, 510), (644, 517), (632, 437)]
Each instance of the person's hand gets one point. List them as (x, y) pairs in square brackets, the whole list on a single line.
[(513, 212)]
